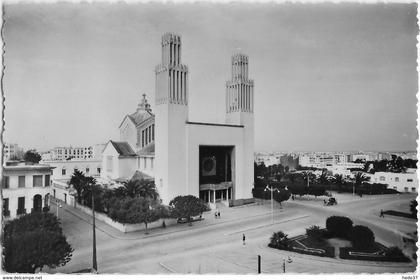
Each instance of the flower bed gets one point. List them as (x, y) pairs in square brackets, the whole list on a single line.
[(379, 252), (305, 245)]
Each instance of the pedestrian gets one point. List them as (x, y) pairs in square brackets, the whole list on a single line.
[(293, 197), (215, 215), (218, 214), (325, 202), (243, 238), (382, 214)]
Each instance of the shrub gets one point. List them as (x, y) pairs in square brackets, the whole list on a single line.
[(394, 252), (339, 226), (315, 232), (362, 237), (279, 240)]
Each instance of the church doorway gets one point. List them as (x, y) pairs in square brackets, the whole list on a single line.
[(216, 174)]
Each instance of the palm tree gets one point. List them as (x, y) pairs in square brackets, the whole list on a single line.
[(359, 179), (77, 180), (323, 179), (140, 188), (308, 176), (339, 181)]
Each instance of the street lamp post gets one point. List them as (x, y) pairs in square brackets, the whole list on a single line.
[(289, 260), (272, 203), (94, 263)]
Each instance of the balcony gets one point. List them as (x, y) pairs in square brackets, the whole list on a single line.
[(21, 211)]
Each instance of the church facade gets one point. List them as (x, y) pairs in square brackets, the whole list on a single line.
[(213, 161)]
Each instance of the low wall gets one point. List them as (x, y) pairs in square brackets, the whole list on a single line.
[(125, 227)]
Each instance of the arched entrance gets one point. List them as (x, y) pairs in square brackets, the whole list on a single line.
[(37, 203)]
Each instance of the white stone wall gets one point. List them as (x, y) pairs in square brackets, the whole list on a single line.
[(71, 165), (402, 182)]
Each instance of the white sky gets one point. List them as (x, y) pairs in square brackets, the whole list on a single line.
[(327, 76)]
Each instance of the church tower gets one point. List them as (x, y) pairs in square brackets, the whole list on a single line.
[(170, 119), (240, 111), (239, 92)]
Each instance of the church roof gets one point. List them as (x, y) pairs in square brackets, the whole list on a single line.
[(143, 113), (123, 149), (148, 150)]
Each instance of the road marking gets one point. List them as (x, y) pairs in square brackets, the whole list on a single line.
[(267, 225)]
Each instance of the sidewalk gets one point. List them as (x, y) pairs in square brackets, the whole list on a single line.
[(228, 215)]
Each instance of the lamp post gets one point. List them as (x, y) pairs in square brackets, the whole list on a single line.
[(94, 263), (272, 206), (289, 260)]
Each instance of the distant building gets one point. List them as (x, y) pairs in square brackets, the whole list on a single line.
[(402, 182), (26, 188), (289, 161), (64, 153), (64, 169), (11, 150)]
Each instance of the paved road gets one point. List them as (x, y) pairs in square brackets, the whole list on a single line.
[(215, 245)]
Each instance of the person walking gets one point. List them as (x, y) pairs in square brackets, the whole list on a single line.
[(218, 214), (243, 238), (382, 214)]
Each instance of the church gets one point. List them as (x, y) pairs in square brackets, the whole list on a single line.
[(213, 161)]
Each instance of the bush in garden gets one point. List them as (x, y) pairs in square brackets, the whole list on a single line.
[(315, 232), (362, 237), (394, 252), (339, 226), (279, 240)]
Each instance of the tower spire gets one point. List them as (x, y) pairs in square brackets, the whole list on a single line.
[(239, 89)]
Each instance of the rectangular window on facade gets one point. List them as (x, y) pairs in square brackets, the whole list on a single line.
[(6, 182), (21, 205), (6, 211), (99, 170), (145, 163), (142, 138), (409, 180), (47, 180), (413, 189), (87, 170), (21, 182), (397, 179), (37, 181), (109, 163), (153, 132), (406, 189), (63, 172)]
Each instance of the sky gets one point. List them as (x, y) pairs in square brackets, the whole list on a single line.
[(328, 77)]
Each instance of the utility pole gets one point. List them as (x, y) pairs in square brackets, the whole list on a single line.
[(259, 264), (94, 263)]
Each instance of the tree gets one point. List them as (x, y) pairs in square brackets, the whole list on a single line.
[(279, 240), (315, 232), (339, 181), (359, 179), (146, 211), (138, 188), (187, 207), (323, 179), (32, 156), (78, 181), (34, 241), (18, 155), (339, 226), (362, 237), (413, 207), (280, 195), (308, 177)]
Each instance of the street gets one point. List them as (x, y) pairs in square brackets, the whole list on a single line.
[(215, 245)]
